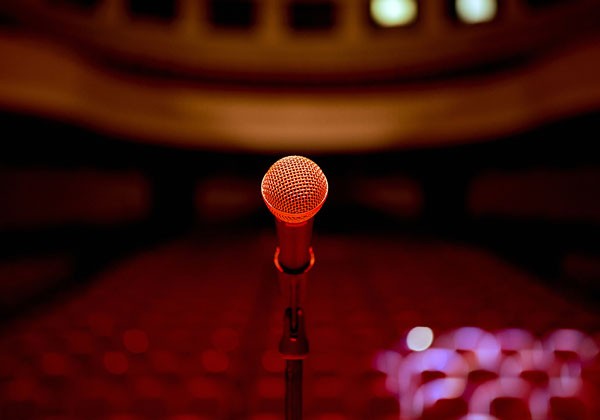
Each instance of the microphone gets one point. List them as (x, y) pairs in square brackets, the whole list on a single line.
[(294, 190)]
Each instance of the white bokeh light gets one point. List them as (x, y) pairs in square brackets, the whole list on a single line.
[(389, 13), (476, 11), (419, 338)]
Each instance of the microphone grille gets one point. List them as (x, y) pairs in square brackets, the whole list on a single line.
[(294, 189)]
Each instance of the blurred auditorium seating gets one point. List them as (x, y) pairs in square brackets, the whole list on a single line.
[(26, 277), (538, 194), (181, 331), (41, 207), (38, 198)]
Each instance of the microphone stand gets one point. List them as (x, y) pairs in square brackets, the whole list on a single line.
[(293, 345), (294, 189)]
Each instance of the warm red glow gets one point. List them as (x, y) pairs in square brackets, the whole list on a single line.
[(294, 189), (203, 387), (80, 342), (271, 387), (148, 387), (164, 361), (266, 416), (101, 324), (136, 341), (215, 361), (54, 364), (272, 361), (225, 339), (116, 362), (331, 416), (22, 389), (328, 387)]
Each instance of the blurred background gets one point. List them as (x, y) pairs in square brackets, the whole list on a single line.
[(458, 138)]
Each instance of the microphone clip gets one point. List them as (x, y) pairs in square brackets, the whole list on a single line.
[(294, 272), (293, 344)]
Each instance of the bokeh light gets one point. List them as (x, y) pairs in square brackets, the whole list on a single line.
[(419, 338), (215, 361), (271, 387), (534, 371), (203, 387), (476, 11), (225, 339), (54, 364), (272, 361), (390, 13), (136, 341), (148, 386), (116, 362), (22, 389)]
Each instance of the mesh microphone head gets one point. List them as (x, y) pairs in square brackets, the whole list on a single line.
[(294, 189)]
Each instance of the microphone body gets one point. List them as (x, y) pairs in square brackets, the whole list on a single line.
[(294, 239), (294, 190)]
